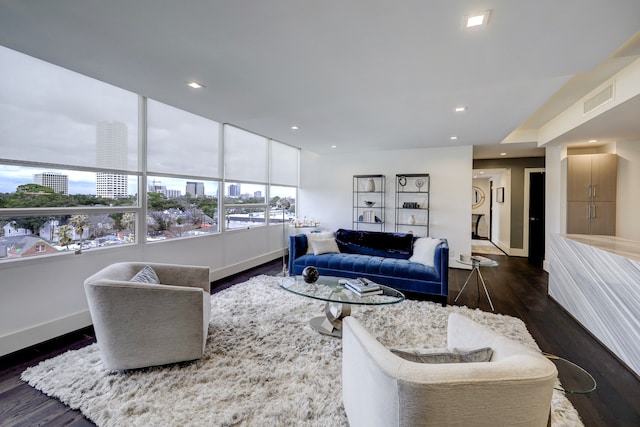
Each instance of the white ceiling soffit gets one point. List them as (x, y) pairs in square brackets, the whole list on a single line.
[(356, 74)]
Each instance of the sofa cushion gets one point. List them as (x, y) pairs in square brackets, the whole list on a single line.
[(376, 243), (424, 250)]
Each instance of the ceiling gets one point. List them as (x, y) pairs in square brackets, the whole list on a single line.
[(357, 74)]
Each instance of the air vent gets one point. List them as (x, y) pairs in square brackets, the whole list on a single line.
[(598, 99)]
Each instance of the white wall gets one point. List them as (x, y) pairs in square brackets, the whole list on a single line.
[(555, 196), (43, 298), (501, 226), (326, 188), (628, 202)]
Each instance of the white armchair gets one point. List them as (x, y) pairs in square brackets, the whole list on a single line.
[(142, 324), (382, 389)]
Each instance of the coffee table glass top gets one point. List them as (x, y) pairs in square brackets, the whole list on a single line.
[(327, 288)]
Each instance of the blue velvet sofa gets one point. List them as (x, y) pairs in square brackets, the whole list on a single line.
[(382, 257)]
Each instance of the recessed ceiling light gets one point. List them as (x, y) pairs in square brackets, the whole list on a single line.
[(503, 154), (294, 127), (481, 172), (195, 85), (591, 141), (461, 109), (453, 138), (477, 19), (334, 146)]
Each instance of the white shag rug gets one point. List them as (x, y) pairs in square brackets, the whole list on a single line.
[(263, 365)]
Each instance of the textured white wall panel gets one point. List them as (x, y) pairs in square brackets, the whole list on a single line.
[(601, 290)]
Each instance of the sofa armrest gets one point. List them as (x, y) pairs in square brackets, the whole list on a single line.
[(441, 263), (297, 247)]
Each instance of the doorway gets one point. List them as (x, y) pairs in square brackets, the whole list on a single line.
[(536, 217)]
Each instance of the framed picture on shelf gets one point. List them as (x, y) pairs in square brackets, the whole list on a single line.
[(500, 195)]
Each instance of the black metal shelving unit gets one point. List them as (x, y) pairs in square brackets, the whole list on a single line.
[(368, 202), (412, 203)]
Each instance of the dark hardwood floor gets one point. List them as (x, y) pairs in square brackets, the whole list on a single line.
[(516, 288)]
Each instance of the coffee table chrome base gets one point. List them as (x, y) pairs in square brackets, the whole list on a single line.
[(476, 269), (331, 323)]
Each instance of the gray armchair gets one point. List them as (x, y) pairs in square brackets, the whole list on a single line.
[(142, 324), (381, 389)]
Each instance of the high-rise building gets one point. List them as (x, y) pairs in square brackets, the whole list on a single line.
[(234, 190), (195, 189), (55, 180), (111, 152)]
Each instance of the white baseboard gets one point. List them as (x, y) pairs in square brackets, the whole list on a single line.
[(229, 270), (43, 332)]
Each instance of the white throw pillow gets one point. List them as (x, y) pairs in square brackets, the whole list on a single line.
[(323, 235), (146, 275), (325, 246), (424, 250)]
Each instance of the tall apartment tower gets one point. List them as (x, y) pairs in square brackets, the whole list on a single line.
[(234, 190), (195, 189), (111, 152), (55, 180)]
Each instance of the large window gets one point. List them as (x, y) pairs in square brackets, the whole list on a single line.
[(71, 179), (183, 160), (68, 165)]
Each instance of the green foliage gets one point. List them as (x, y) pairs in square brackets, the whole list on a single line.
[(34, 189), (158, 202), (207, 206)]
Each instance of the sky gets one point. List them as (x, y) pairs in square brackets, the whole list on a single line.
[(48, 115)]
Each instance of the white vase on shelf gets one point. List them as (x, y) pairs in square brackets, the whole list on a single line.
[(371, 185), (412, 219)]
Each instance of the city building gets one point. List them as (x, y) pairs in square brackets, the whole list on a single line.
[(111, 153), (195, 189), (59, 182), (234, 190)]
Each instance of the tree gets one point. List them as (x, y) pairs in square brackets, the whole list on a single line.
[(64, 235), (128, 221), (79, 223)]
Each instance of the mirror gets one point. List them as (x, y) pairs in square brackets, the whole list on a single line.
[(477, 197)]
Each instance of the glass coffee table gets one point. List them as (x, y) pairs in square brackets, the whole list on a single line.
[(338, 300)]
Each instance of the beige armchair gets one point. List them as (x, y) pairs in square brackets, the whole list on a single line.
[(142, 324), (382, 389)]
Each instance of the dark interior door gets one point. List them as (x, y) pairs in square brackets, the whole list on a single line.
[(536, 218)]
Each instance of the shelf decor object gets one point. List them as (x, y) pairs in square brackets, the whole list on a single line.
[(368, 202), (412, 204)]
